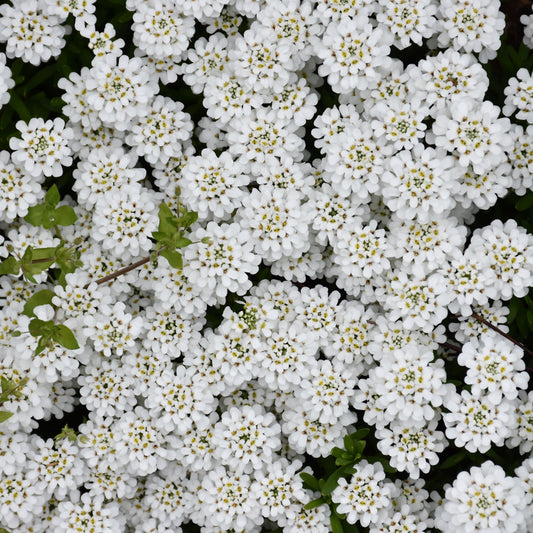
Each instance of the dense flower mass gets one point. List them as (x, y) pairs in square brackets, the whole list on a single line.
[(236, 235)]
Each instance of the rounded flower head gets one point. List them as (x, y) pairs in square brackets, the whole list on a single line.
[(44, 147), (483, 499)]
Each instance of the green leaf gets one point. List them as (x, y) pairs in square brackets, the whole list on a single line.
[(64, 336), (360, 434), (52, 196), (359, 446), (174, 258), (65, 215), (349, 444), (42, 344), (43, 297), (10, 266), (188, 219), (453, 460), (35, 215), (181, 242), (331, 483), (526, 202), (337, 452), (39, 327), (6, 384), (19, 106), (336, 524), (4, 415), (310, 481), (314, 503)]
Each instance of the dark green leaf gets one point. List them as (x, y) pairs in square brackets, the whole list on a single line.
[(65, 215), (19, 106), (9, 266), (310, 481), (174, 258), (337, 452), (39, 327), (4, 415), (453, 460), (525, 202), (64, 336), (52, 196), (314, 503), (349, 445), (360, 434), (39, 298), (331, 483), (336, 524)]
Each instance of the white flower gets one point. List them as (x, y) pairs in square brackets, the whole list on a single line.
[(408, 20), (44, 147), (6, 81), (277, 221), (89, 512), (494, 367), (177, 399), (420, 183), (472, 131), (399, 122), (519, 95), (409, 385), (227, 501), (246, 438), (506, 250), (297, 102), (474, 26), (523, 415), (112, 330), (483, 499), (213, 186), (476, 423), (469, 328), (105, 387), (366, 497), (223, 261), (412, 448), (327, 392), (259, 59), (31, 32), (351, 51), (158, 135), (103, 45), (81, 10), (160, 29), (124, 219), (105, 170), (120, 92), (437, 80)]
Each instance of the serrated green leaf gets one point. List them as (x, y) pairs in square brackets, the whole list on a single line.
[(52, 196), (39, 298), (314, 503), (309, 481), (35, 215), (64, 336), (4, 415), (10, 266), (174, 258), (65, 215), (336, 524)]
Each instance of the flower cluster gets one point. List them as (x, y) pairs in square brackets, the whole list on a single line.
[(329, 264)]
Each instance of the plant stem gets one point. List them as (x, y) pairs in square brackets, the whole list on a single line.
[(503, 334), (451, 346), (44, 260), (124, 270)]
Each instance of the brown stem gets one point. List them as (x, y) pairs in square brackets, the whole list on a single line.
[(124, 270), (450, 346), (503, 334)]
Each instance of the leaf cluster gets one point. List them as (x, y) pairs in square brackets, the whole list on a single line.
[(10, 389)]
